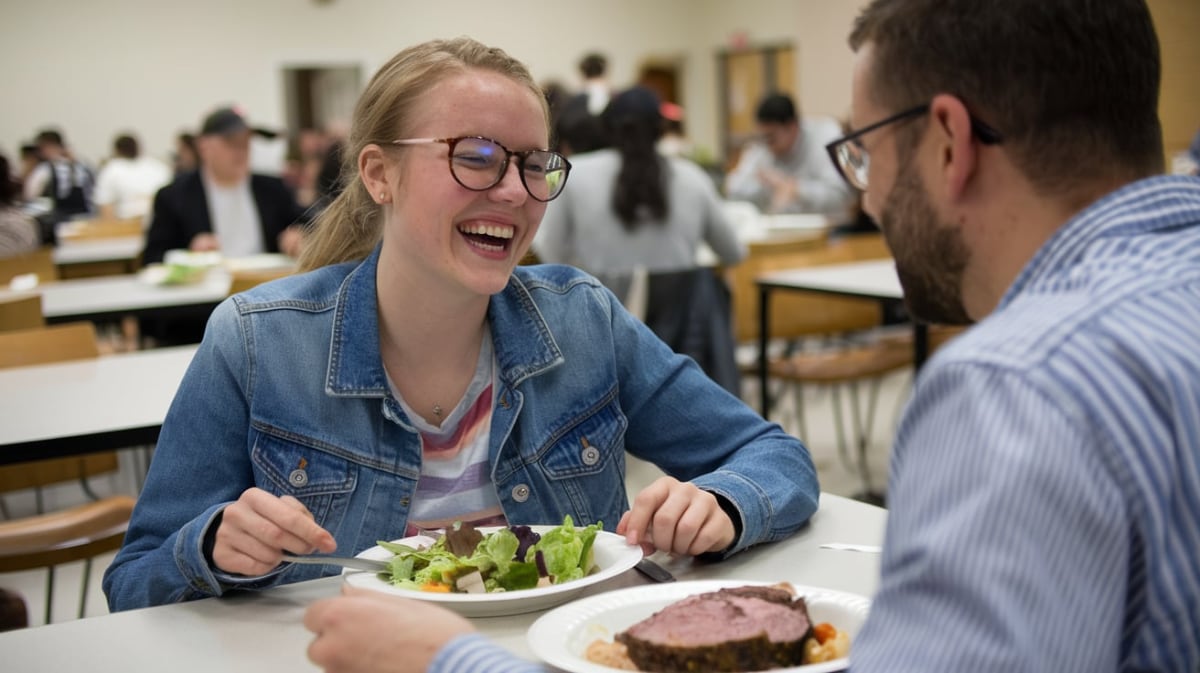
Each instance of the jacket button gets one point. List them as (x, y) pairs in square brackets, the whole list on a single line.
[(298, 478), (520, 493), (590, 455)]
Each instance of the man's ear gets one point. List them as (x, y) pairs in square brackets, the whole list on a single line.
[(957, 153), (372, 170)]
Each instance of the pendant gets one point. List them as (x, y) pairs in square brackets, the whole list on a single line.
[(437, 410)]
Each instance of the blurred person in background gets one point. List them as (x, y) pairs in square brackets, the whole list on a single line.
[(18, 231), (631, 210), (60, 177), (128, 181), (786, 169), (185, 157), (223, 206)]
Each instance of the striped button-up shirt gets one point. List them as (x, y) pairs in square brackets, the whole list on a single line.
[(1045, 481)]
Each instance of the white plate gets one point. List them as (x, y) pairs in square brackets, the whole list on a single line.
[(797, 222), (610, 552), (560, 637)]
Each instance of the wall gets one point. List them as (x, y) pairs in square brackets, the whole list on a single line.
[(155, 66), (1178, 26)]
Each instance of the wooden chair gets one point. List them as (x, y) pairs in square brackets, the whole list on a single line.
[(243, 280), (18, 313), (79, 533), (850, 350), (40, 262)]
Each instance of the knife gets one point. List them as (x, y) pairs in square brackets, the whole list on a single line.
[(654, 571)]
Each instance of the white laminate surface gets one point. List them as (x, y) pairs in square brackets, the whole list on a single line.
[(875, 279), (263, 632), (123, 294), (98, 250), (84, 397)]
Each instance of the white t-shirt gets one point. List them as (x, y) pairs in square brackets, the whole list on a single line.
[(235, 219), (129, 185)]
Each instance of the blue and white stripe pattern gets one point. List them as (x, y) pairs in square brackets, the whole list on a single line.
[(1045, 481)]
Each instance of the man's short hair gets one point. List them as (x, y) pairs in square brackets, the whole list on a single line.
[(776, 108), (1071, 85), (49, 136), (593, 65), (126, 146)]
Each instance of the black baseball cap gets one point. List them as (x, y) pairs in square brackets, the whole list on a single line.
[(227, 121)]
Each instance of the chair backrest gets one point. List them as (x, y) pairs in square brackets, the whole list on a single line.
[(797, 314), (22, 312), (243, 280), (40, 262), (690, 311), (100, 229), (56, 343)]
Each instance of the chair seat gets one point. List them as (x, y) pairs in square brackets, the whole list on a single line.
[(847, 364), (64, 536)]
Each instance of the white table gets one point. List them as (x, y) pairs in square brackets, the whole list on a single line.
[(263, 632), (109, 297), (84, 251), (84, 406), (873, 279)]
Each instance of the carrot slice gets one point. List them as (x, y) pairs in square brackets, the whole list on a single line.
[(824, 631)]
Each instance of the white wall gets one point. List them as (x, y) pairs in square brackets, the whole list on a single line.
[(96, 68)]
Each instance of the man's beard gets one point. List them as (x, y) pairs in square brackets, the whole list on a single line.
[(930, 255)]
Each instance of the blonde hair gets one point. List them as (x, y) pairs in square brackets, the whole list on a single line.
[(351, 227)]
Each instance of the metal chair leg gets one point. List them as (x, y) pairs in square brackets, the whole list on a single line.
[(49, 592), (83, 593)]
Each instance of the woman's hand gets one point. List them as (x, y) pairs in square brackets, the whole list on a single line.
[(368, 632), (676, 517), (257, 529)]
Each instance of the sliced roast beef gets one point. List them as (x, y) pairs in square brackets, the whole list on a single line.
[(752, 628)]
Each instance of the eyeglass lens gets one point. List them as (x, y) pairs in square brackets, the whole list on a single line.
[(853, 160), (479, 164)]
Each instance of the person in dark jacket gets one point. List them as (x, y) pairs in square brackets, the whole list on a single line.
[(222, 206)]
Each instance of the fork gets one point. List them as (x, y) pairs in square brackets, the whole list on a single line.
[(369, 565)]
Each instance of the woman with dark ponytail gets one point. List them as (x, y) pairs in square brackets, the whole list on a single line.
[(630, 208)]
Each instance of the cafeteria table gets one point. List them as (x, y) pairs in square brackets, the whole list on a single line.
[(87, 406), (873, 279), (263, 632)]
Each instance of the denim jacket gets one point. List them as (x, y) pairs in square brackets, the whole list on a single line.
[(288, 392)]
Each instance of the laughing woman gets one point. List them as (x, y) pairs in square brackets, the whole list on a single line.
[(414, 375)]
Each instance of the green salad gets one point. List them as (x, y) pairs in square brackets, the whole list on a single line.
[(464, 560)]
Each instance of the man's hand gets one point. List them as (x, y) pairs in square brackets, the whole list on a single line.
[(291, 241), (204, 242), (366, 631), (257, 529), (676, 517)]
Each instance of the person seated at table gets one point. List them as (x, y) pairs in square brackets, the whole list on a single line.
[(19, 233), (223, 206), (128, 181), (1046, 475), (633, 210), (61, 177), (415, 375), (786, 169)]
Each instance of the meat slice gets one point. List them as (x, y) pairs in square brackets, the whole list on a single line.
[(752, 628)]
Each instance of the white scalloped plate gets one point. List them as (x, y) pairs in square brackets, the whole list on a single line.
[(560, 637), (611, 554)]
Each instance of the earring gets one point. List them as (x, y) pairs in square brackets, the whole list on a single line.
[(383, 197)]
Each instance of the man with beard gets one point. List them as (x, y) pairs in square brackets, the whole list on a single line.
[(1045, 480)]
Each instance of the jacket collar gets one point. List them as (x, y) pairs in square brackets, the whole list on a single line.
[(523, 343)]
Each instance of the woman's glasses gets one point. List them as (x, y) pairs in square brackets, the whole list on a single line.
[(480, 163)]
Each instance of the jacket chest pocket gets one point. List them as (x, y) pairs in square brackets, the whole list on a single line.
[(320, 480), (586, 445)]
